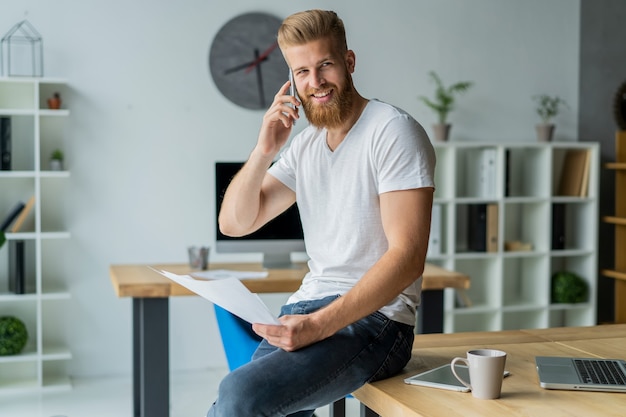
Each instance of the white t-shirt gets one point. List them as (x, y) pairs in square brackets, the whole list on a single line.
[(338, 197)]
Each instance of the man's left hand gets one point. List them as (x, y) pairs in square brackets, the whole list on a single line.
[(294, 332)]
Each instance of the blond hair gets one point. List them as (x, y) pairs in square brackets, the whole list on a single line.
[(312, 25)]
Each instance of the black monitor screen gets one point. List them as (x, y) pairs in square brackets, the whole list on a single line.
[(286, 226)]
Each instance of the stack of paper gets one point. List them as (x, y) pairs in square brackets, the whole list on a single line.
[(228, 293)]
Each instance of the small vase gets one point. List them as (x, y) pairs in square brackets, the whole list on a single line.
[(442, 131), (56, 165), (545, 131), (54, 102)]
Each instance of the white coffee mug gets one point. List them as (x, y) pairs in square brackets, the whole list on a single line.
[(486, 372)]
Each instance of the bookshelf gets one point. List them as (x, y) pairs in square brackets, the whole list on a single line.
[(619, 221), (532, 226), (35, 132)]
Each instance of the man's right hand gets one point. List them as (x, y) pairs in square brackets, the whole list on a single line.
[(278, 122)]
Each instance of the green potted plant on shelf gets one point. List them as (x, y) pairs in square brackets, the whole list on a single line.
[(548, 108), (56, 160), (443, 103), (567, 287), (13, 335)]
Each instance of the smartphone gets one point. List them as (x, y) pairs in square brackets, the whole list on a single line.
[(292, 89)]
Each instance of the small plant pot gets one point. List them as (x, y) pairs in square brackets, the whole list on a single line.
[(545, 131), (442, 131), (54, 103), (56, 165)]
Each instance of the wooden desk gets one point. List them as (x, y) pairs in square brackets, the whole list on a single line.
[(521, 393), (151, 291)]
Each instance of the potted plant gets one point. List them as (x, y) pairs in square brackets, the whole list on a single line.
[(13, 335), (567, 287), (547, 108), (54, 102), (56, 160), (443, 103)]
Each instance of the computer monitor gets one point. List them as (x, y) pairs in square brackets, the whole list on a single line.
[(276, 240)]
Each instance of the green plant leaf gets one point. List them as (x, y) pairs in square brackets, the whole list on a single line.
[(567, 287), (13, 335), (3, 238), (443, 102), (548, 107)]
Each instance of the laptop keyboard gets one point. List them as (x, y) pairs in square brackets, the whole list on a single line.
[(606, 372)]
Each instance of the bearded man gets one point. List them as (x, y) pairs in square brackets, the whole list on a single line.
[(362, 175)]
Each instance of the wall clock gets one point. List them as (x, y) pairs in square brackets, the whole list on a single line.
[(245, 61)]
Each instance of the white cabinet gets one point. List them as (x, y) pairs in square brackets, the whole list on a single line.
[(500, 209), (35, 132)]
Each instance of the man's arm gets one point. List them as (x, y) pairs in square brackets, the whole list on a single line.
[(406, 222), (254, 197)]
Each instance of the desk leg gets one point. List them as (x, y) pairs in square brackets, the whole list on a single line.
[(367, 412), (338, 408), (151, 384), (430, 313)]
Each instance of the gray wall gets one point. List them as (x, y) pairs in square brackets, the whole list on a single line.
[(147, 123), (602, 71)]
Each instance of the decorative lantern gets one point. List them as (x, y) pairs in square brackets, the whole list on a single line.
[(22, 51)]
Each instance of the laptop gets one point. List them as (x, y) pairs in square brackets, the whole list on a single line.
[(581, 374)]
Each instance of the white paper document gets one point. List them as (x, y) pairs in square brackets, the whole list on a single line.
[(227, 273), (228, 293)]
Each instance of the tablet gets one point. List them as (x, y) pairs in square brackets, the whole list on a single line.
[(442, 377)]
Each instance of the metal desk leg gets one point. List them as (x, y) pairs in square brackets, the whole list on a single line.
[(151, 384), (338, 408), (430, 313), (367, 412)]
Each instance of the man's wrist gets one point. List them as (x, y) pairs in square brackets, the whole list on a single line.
[(261, 156)]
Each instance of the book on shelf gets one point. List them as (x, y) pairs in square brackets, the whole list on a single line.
[(17, 267), (492, 227), (558, 226), (481, 172), (584, 187), (507, 173), (13, 214), (574, 179), (477, 227), (5, 143), (23, 215), (482, 227), (434, 240)]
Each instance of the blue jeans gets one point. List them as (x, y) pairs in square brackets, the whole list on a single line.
[(277, 383)]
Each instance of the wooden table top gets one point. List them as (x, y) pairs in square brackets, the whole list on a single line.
[(521, 393), (142, 282)]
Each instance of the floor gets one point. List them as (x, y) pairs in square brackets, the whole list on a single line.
[(190, 395)]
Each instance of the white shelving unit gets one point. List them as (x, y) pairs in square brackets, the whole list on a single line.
[(511, 289), (36, 131)]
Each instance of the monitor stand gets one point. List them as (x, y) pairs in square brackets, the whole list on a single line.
[(278, 261)]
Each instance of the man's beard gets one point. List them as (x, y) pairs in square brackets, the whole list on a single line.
[(333, 113)]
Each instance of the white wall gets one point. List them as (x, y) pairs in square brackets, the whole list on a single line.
[(147, 123)]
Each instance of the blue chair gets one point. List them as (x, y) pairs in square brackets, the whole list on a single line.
[(240, 342), (238, 339)]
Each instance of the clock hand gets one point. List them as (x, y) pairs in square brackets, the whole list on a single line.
[(263, 57), (259, 78), (242, 66)]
